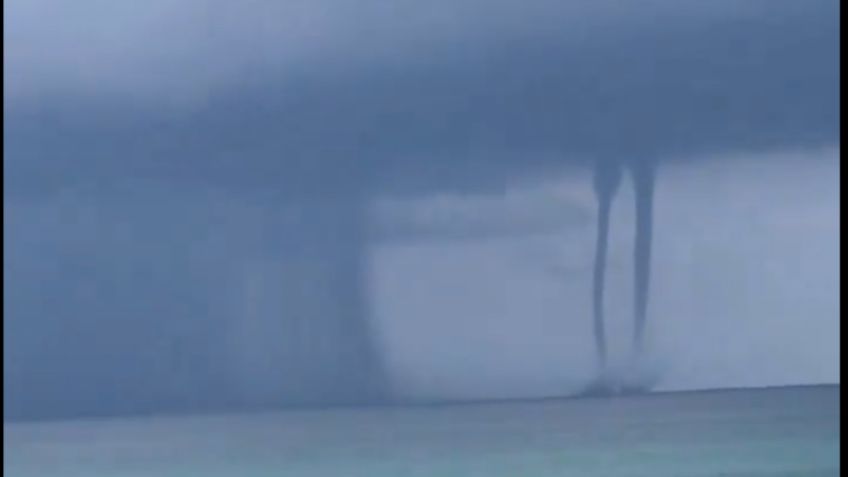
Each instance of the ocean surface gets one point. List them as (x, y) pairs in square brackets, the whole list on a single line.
[(790, 431)]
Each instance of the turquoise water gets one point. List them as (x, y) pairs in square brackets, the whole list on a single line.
[(786, 431)]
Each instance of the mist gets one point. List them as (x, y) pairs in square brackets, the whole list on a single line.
[(211, 294), (746, 278)]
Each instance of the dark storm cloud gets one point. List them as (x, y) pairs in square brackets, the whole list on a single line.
[(333, 97)]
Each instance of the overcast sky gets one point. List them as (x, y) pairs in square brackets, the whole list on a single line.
[(179, 163), (173, 50), (321, 97)]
